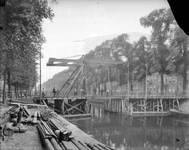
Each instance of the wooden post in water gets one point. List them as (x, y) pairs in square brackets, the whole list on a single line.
[(151, 105), (116, 102), (131, 108), (161, 105), (117, 105), (111, 104), (123, 106), (62, 107), (178, 103), (173, 104)]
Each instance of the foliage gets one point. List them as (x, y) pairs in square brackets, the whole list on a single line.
[(160, 21), (143, 55), (180, 53), (22, 39), (166, 52)]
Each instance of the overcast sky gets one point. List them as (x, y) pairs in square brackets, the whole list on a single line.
[(82, 19)]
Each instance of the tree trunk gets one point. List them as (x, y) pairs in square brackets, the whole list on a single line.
[(9, 79), (184, 81), (109, 74), (17, 86), (145, 88), (162, 83), (4, 83), (185, 73), (185, 54)]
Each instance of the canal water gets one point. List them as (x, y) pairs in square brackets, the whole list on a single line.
[(124, 132)]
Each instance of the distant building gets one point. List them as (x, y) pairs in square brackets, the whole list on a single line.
[(173, 85)]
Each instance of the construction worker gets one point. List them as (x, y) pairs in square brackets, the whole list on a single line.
[(75, 92), (81, 90), (20, 114), (43, 93), (54, 92)]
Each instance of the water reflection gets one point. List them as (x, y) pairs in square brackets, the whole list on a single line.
[(134, 133)]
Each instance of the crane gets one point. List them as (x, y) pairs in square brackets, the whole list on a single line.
[(77, 79)]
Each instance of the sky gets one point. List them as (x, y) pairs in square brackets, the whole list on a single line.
[(79, 20)]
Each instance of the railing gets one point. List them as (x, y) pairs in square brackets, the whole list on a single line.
[(131, 94), (136, 94), (72, 94), (16, 95)]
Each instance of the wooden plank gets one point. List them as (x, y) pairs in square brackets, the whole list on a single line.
[(27, 104), (179, 112), (78, 134), (76, 115), (70, 146), (150, 113)]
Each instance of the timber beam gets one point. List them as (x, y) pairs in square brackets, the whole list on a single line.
[(76, 62)]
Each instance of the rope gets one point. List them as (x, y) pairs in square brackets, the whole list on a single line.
[(49, 78), (73, 56)]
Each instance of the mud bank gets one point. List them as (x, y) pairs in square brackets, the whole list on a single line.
[(185, 106)]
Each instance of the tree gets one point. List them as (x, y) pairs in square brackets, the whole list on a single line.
[(123, 51), (160, 21), (22, 38), (180, 53), (142, 54)]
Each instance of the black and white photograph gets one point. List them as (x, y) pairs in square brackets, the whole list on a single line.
[(94, 75)]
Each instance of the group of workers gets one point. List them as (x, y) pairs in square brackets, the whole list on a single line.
[(81, 92), (55, 92), (76, 92)]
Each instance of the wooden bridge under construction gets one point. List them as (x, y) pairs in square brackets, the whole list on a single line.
[(158, 105), (135, 104), (74, 98)]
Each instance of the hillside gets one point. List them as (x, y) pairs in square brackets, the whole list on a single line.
[(56, 81)]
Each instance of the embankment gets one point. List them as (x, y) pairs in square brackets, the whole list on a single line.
[(185, 105)]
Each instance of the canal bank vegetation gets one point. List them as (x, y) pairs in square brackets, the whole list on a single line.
[(164, 54), (21, 40)]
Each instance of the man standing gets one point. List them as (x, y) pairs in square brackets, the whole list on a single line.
[(54, 92), (43, 93), (75, 92)]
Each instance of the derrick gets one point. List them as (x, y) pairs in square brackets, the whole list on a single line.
[(73, 103)]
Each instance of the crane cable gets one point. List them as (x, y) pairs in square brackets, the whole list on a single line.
[(49, 77), (74, 56)]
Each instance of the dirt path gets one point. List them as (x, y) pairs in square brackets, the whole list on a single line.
[(21, 141)]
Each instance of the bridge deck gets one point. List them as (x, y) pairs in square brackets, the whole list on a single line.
[(115, 97)]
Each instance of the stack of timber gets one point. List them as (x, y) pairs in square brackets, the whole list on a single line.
[(59, 134), (53, 131)]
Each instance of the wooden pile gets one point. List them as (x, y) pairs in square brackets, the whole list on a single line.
[(56, 133), (59, 134)]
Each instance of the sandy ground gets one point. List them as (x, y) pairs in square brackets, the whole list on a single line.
[(20, 141)]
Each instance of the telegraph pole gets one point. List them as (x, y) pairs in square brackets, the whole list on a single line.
[(128, 80), (40, 74)]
